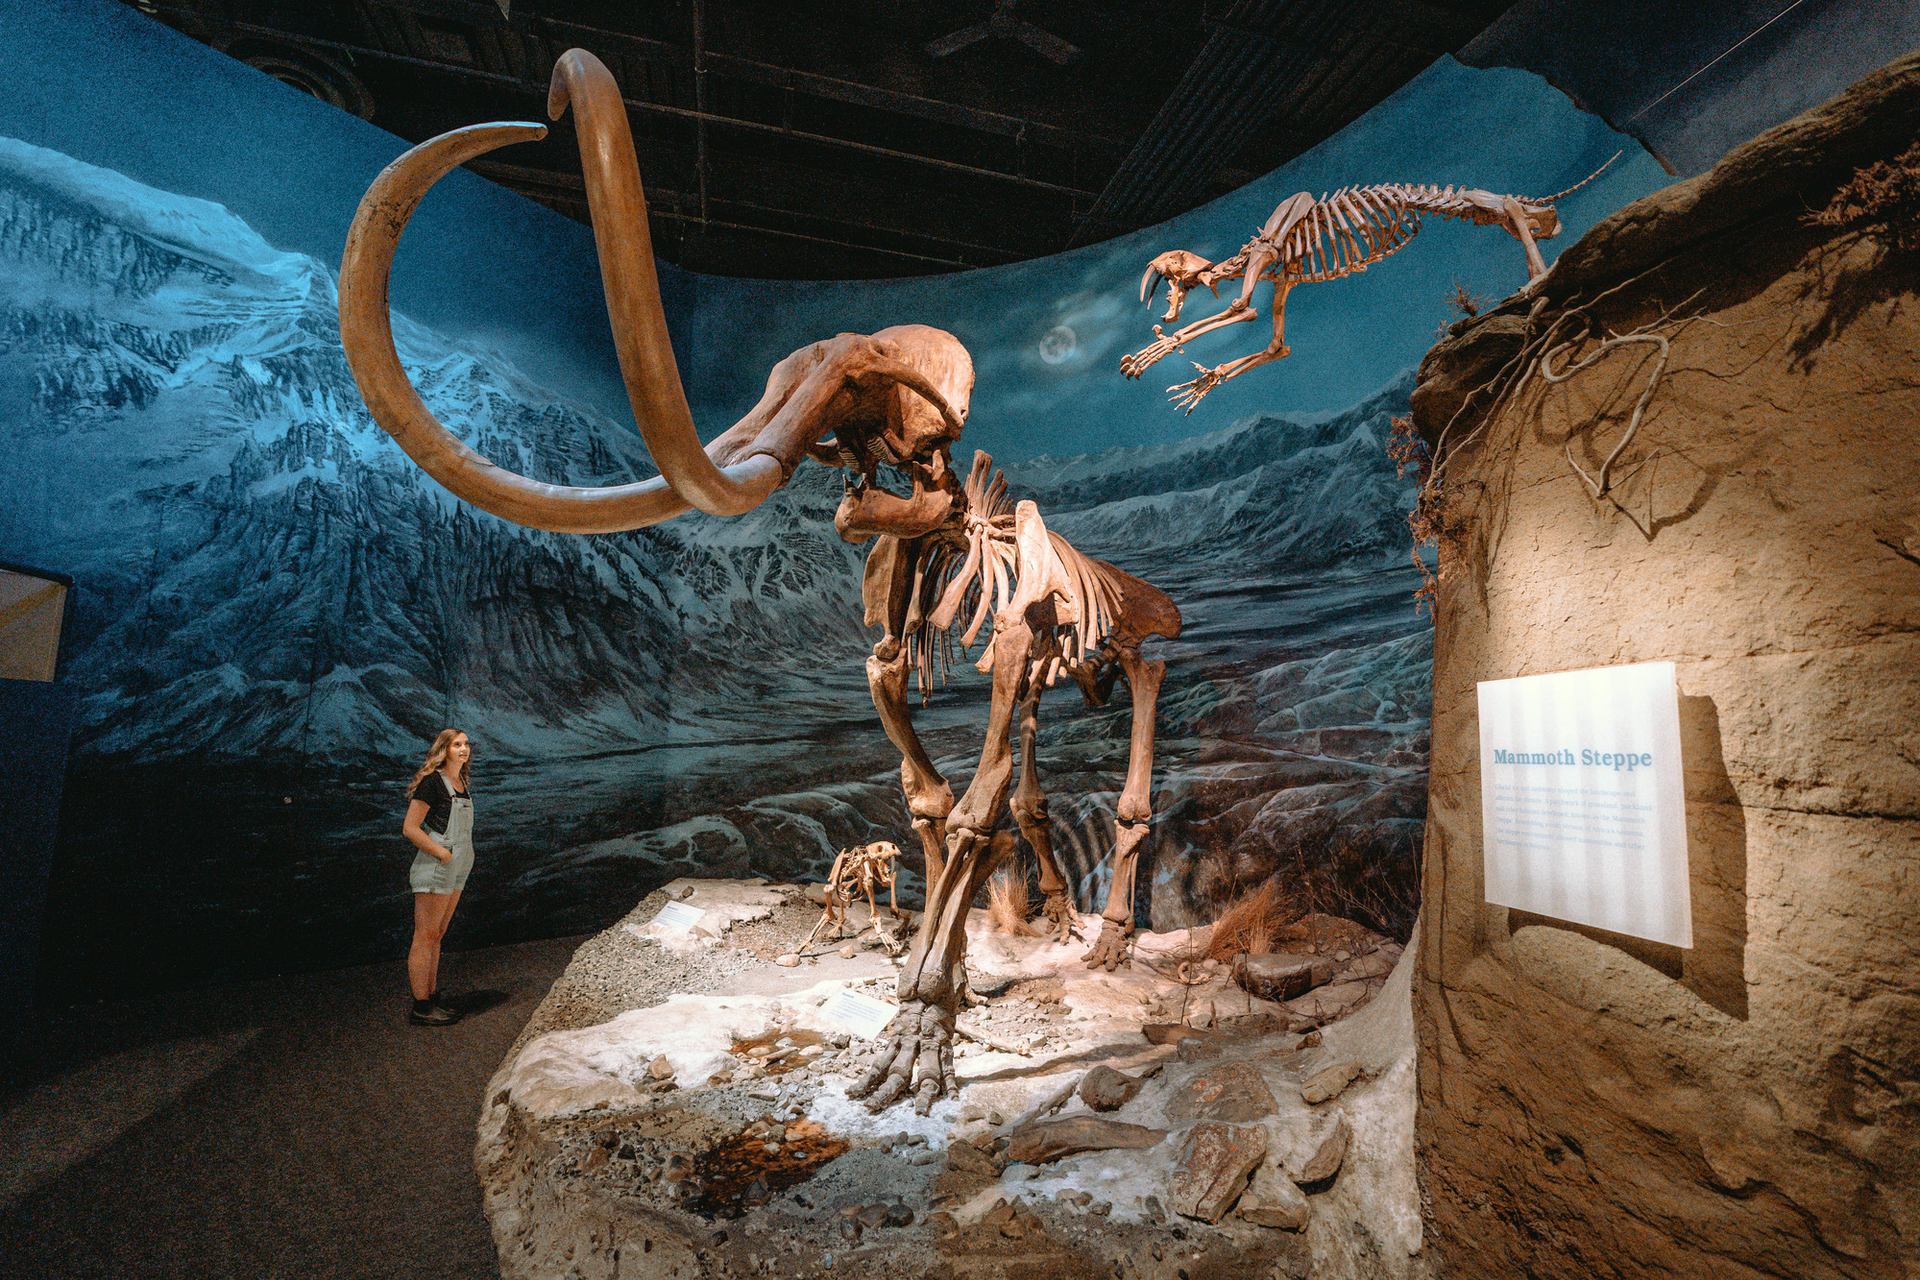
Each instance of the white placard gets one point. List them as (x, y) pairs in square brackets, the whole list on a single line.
[(860, 1014), (678, 915), (1582, 799)]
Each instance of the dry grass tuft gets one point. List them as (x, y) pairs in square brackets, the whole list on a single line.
[(1882, 197), (1252, 922), (1008, 902)]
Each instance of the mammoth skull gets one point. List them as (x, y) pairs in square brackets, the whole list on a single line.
[(898, 396)]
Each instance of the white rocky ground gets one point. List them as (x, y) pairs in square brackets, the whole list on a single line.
[(677, 1108)]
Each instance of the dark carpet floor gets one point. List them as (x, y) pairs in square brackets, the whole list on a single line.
[(296, 1127)]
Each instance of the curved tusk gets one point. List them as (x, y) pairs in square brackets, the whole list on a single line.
[(618, 205), (366, 334)]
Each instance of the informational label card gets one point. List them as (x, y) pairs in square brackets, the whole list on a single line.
[(1583, 802), (860, 1014), (678, 915)]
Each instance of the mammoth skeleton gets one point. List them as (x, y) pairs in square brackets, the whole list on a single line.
[(952, 555), (1311, 241)]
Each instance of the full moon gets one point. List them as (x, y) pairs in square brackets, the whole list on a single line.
[(1058, 344)]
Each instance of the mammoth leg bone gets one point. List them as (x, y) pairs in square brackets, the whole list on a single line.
[(1030, 813), (889, 577), (916, 1055), (1133, 814)]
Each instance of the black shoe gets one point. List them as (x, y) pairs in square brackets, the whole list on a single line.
[(439, 1001), (431, 1016)]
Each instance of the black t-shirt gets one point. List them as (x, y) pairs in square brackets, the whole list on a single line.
[(439, 799)]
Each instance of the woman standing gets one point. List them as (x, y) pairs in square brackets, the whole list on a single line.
[(440, 824)]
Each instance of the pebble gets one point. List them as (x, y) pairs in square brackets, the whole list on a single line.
[(849, 951), (787, 961)]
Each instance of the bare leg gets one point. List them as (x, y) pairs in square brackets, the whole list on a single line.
[(916, 1056), (431, 914), (445, 922), (1132, 815), (1030, 812)]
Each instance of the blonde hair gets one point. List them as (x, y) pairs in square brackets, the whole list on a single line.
[(437, 756)]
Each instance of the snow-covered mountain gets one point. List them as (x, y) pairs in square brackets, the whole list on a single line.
[(267, 584)]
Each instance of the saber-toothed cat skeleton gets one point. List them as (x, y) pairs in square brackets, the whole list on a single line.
[(1308, 241), (946, 552)]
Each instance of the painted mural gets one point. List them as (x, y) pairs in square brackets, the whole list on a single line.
[(276, 609)]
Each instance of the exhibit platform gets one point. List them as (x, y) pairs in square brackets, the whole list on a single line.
[(678, 1107)]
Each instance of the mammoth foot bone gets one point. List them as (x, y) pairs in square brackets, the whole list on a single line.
[(1059, 916), (1112, 949), (915, 1058)]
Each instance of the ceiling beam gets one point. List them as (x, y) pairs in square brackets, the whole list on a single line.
[(538, 90)]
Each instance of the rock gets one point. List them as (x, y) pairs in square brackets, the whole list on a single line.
[(1327, 1154), (1169, 1032), (787, 961), (1045, 1140), (1104, 1089), (1100, 1208), (967, 1158), (1272, 1200), (1375, 964), (1197, 1048), (1331, 1003), (660, 1068), (849, 951), (1211, 1169), (1328, 1082), (898, 1215), (1279, 976), (1233, 1092), (874, 1216)]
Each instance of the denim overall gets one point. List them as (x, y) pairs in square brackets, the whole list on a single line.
[(430, 875)]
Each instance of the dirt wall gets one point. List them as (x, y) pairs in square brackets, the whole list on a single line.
[(1592, 1106)]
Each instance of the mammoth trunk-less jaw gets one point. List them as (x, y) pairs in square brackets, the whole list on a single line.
[(868, 511)]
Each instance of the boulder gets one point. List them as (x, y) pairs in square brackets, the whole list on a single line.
[(1272, 1200), (1212, 1168), (1329, 1082), (1046, 1140), (1233, 1092), (1327, 1155), (1104, 1089), (1331, 1003), (1278, 976)]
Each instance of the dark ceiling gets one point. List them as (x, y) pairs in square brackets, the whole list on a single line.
[(862, 138)]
